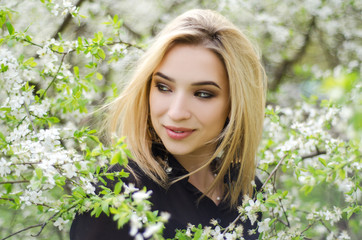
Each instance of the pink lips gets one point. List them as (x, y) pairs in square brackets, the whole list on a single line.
[(178, 133)]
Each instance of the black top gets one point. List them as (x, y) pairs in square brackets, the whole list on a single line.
[(180, 200)]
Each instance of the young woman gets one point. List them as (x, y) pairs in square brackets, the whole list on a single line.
[(193, 117)]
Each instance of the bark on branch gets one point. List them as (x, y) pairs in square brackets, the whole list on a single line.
[(284, 67)]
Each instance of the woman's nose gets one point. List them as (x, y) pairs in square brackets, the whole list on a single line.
[(179, 108)]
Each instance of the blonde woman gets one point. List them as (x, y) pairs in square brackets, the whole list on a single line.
[(193, 117)]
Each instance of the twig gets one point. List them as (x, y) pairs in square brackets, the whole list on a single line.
[(325, 225), (55, 76), (282, 207), (270, 176), (24, 163), (42, 225), (31, 120), (22, 230), (37, 204), (281, 221), (308, 227), (317, 153), (273, 172), (125, 43), (12, 182)]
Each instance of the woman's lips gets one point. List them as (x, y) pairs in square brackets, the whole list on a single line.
[(178, 133)]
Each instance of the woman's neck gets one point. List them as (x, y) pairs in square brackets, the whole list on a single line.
[(203, 178)]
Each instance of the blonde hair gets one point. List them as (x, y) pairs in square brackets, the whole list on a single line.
[(238, 142)]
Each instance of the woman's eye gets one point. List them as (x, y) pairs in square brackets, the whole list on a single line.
[(162, 87), (204, 94)]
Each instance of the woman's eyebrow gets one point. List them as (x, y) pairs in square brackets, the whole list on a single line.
[(164, 76), (202, 83)]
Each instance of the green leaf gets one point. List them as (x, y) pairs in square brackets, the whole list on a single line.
[(307, 189), (30, 62), (98, 211), (342, 173), (124, 160), (27, 37), (198, 234), (260, 196), (101, 53), (105, 208), (122, 218), (4, 68), (116, 157), (118, 188), (94, 138), (76, 71), (52, 120), (10, 28), (120, 157), (39, 173), (115, 19), (323, 161), (351, 210), (8, 187), (99, 76), (128, 152)]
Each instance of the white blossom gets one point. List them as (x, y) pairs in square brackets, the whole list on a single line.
[(152, 229), (70, 170), (343, 236), (139, 196), (130, 188), (4, 167), (252, 209), (60, 223), (264, 225)]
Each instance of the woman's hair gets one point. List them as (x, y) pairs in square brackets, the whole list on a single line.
[(237, 144)]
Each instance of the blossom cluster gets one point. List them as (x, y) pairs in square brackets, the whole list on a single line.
[(63, 7)]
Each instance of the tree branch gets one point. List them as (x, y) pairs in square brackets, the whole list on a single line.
[(13, 182), (55, 76), (131, 31), (31, 120), (288, 63), (273, 172), (270, 176), (37, 204), (42, 225), (22, 230), (282, 207), (317, 153), (330, 56)]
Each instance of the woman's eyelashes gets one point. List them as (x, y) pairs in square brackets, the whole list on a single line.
[(204, 94), (162, 87)]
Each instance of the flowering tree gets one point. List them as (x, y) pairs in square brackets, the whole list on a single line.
[(60, 60)]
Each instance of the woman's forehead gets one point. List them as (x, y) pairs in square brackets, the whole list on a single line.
[(192, 63)]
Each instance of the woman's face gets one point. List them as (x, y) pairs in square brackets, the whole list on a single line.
[(189, 100)]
